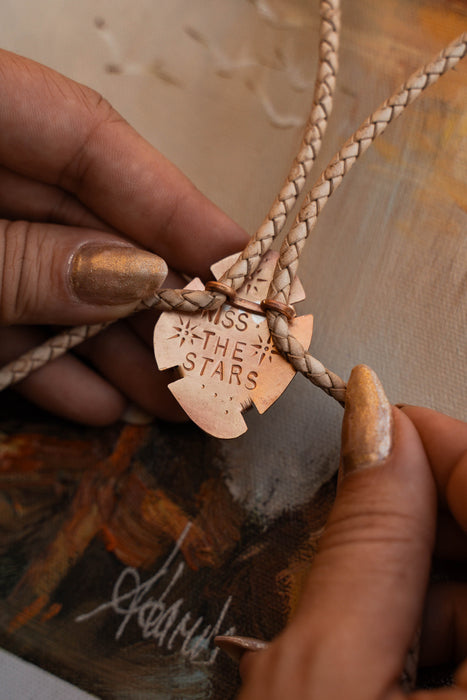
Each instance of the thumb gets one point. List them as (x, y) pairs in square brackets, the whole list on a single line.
[(66, 275), (364, 598)]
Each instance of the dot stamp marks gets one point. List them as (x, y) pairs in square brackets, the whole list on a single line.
[(226, 358)]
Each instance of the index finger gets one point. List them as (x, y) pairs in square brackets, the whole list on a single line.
[(63, 133)]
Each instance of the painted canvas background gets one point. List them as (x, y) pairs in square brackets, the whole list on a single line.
[(223, 89)]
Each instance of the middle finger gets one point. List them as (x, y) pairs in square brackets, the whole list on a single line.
[(126, 361)]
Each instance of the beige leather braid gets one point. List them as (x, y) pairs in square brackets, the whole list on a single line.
[(38, 357), (315, 128), (331, 178), (189, 301)]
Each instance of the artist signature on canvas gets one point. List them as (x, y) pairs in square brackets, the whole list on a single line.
[(166, 623)]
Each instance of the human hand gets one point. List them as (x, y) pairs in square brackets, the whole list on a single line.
[(367, 588), (79, 188)]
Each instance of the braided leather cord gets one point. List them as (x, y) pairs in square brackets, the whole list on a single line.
[(191, 301), (48, 351), (315, 128), (331, 178)]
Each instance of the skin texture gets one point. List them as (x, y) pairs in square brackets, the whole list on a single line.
[(367, 587), (73, 172)]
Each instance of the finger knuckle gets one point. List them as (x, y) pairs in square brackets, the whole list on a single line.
[(100, 115), (377, 525), (17, 263)]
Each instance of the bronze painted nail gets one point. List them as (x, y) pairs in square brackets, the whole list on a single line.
[(235, 647), (113, 274), (367, 426)]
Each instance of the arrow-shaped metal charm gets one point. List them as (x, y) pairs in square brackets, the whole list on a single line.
[(226, 358)]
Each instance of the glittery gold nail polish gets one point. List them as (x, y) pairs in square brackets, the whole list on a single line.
[(113, 274), (367, 426), (235, 647)]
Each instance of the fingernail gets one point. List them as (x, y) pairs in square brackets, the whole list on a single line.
[(235, 647), (113, 274), (135, 415), (367, 424)]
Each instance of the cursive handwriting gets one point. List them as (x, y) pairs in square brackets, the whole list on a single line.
[(158, 619)]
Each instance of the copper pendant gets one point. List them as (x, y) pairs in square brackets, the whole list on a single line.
[(226, 358)]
